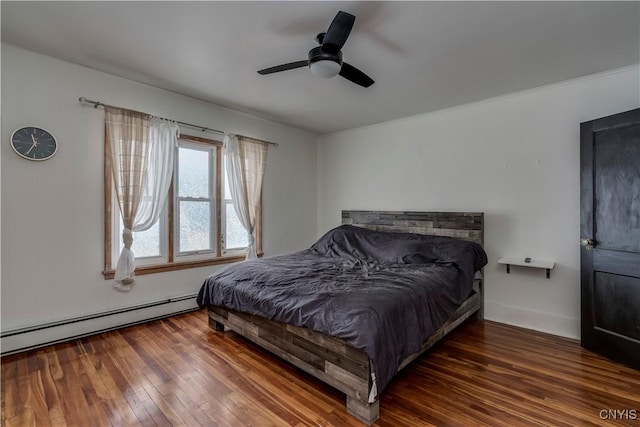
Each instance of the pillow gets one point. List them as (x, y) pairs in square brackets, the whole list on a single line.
[(419, 258)]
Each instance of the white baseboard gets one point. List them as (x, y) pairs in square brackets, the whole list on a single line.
[(543, 322), (46, 334), (42, 335)]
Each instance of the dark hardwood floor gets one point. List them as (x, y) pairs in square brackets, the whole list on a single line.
[(179, 372)]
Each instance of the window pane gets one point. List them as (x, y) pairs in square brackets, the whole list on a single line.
[(193, 173), (235, 234), (195, 226), (145, 243), (227, 191)]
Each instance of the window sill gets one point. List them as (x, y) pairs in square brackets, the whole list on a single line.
[(173, 266)]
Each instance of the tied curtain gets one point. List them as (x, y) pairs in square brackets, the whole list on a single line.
[(246, 160), (142, 150)]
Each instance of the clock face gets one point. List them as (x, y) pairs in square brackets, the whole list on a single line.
[(34, 143)]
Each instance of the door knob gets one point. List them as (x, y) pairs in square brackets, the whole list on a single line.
[(587, 243)]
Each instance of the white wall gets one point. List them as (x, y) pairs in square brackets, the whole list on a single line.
[(52, 212), (516, 158)]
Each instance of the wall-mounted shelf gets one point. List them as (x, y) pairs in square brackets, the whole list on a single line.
[(535, 263)]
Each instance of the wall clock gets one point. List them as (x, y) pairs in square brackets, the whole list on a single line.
[(34, 143)]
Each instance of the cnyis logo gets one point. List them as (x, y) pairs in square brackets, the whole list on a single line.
[(618, 414)]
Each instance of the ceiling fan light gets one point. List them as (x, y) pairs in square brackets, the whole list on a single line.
[(325, 68)]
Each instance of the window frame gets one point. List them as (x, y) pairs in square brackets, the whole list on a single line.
[(174, 262), (213, 153)]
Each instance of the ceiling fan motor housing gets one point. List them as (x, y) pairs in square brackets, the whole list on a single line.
[(324, 64)]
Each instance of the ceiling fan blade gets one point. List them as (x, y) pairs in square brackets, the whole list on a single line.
[(284, 67), (338, 32), (354, 75)]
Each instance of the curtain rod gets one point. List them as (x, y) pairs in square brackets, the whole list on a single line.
[(97, 104)]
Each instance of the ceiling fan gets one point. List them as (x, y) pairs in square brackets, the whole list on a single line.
[(326, 60)]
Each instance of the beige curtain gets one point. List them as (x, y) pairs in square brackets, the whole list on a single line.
[(246, 160), (128, 139)]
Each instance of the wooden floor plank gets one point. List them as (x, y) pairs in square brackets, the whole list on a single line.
[(178, 371)]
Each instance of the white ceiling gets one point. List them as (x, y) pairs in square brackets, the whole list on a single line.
[(424, 56)]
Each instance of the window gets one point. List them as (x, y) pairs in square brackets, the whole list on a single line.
[(195, 207), (199, 225), (235, 236)]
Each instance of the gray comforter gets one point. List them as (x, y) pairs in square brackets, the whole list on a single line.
[(383, 293)]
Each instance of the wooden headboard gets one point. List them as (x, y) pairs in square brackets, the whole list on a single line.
[(460, 225)]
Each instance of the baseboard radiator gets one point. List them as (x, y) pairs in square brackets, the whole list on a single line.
[(36, 336)]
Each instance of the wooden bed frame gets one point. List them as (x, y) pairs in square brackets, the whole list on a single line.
[(331, 359)]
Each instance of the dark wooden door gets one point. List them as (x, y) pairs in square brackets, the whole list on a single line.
[(610, 236)]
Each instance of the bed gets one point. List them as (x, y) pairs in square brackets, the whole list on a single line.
[(362, 302)]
